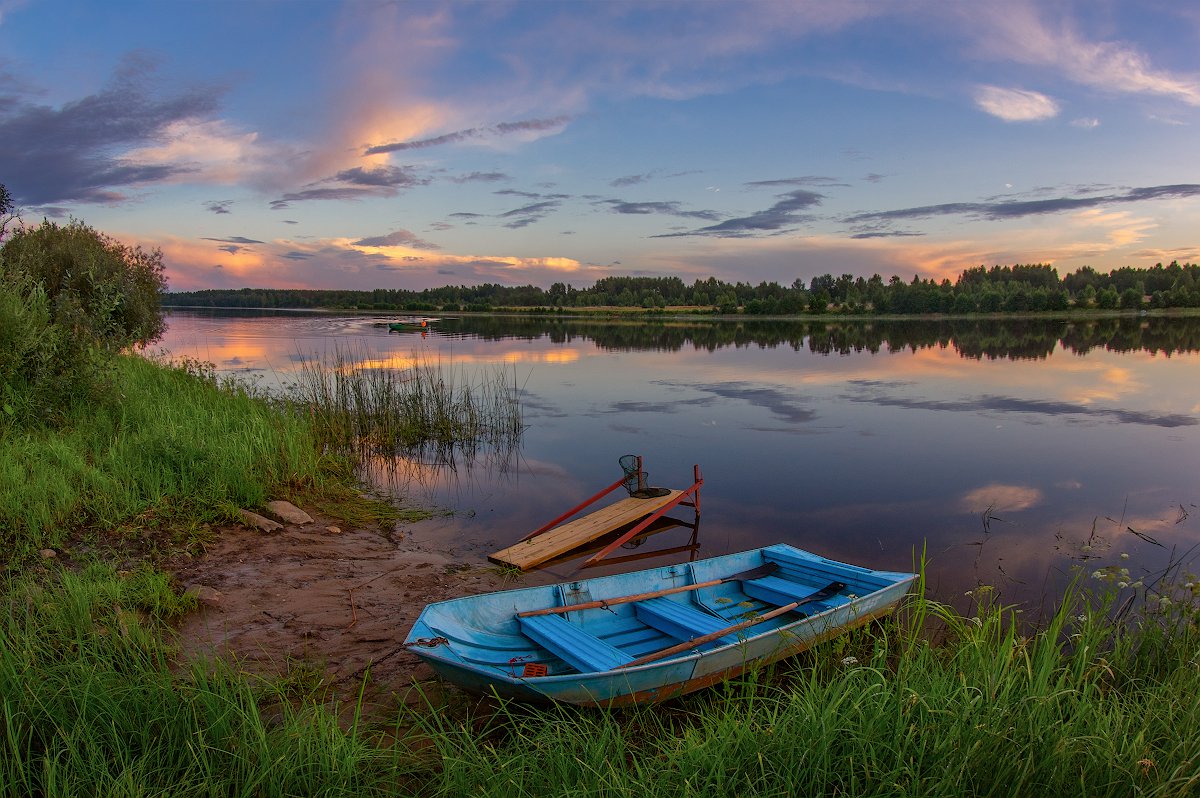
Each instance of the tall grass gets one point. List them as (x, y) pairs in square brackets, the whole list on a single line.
[(89, 704), (359, 406), (1081, 708), (165, 443)]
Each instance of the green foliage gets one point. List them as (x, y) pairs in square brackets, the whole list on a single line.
[(91, 704), (69, 298), (44, 368), (164, 445), (96, 287), (7, 210)]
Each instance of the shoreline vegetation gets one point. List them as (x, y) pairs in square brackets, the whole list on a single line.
[(1020, 289), (141, 459)]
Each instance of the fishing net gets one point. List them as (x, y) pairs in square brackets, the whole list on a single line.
[(635, 479)]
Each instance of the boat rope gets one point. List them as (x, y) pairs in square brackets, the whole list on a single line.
[(429, 642)]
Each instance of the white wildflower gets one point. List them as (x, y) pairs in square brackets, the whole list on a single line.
[(1122, 585), (848, 661), (1097, 574), (1124, 556)]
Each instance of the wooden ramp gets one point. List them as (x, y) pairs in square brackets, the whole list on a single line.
[(573, 534)]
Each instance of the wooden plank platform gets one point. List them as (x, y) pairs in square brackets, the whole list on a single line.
[(573, 534)]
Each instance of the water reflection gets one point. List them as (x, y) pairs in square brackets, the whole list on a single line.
[(972, 338), (1006, 452)]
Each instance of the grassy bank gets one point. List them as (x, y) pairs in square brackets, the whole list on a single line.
[(89, 704), (165, 447)]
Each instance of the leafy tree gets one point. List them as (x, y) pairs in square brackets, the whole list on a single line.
[(1131, 298), (69, 298), (97, 287), (8, 210)]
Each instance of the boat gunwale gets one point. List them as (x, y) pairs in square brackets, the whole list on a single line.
[(898, 582)]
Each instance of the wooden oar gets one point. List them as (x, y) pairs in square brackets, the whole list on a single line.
[(765, 569), (708, 638), (831, 589)]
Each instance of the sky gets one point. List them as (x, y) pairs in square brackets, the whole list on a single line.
[(312, 144)]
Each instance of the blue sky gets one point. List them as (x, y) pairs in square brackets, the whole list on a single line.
[(408, 145)]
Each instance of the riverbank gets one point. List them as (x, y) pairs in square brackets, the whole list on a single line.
[(95, 701), (278, 674)]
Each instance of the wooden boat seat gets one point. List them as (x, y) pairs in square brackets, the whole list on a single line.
[(679, 620), (583, 651), (774, 590)]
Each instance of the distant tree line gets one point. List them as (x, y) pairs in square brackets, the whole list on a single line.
[(1011, 289), (979, 338)]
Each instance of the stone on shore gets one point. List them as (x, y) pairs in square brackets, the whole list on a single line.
[(259, 522), (205, 595), (289, 513)]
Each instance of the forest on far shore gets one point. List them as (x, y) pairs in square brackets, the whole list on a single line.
[(998, 289)]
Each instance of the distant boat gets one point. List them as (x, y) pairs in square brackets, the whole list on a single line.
[(409, 324), (650, 635)]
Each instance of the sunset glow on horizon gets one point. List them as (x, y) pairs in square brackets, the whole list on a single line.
[(412, 145)]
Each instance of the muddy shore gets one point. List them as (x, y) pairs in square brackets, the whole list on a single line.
[(305, 596)]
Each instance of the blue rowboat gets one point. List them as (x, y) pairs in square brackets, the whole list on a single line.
[(650, 635)]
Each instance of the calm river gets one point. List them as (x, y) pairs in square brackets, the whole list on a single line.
[(1006, 451)]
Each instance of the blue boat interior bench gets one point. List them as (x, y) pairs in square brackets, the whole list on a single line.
[(570, 643), (587, 650)]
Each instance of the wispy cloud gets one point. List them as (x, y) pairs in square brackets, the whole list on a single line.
[(480, 177), (219, 206), (783, 215), (474, 134), (630, 180), (1012, 209), (1010, 404), (1021, 32), (399, 238), (529, 214), (668, 208), (356, 183), (1015, 105), (234, 240), (810, 180), (780, 402)]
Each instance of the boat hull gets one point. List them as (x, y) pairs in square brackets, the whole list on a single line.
[(478, 643)]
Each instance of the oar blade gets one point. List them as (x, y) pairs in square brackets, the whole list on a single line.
[(766, 569)]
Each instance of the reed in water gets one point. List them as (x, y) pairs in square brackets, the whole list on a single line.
[(358, 403)]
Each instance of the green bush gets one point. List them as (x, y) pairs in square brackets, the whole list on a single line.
[(97, 287), (70, 297), (43, 368)]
